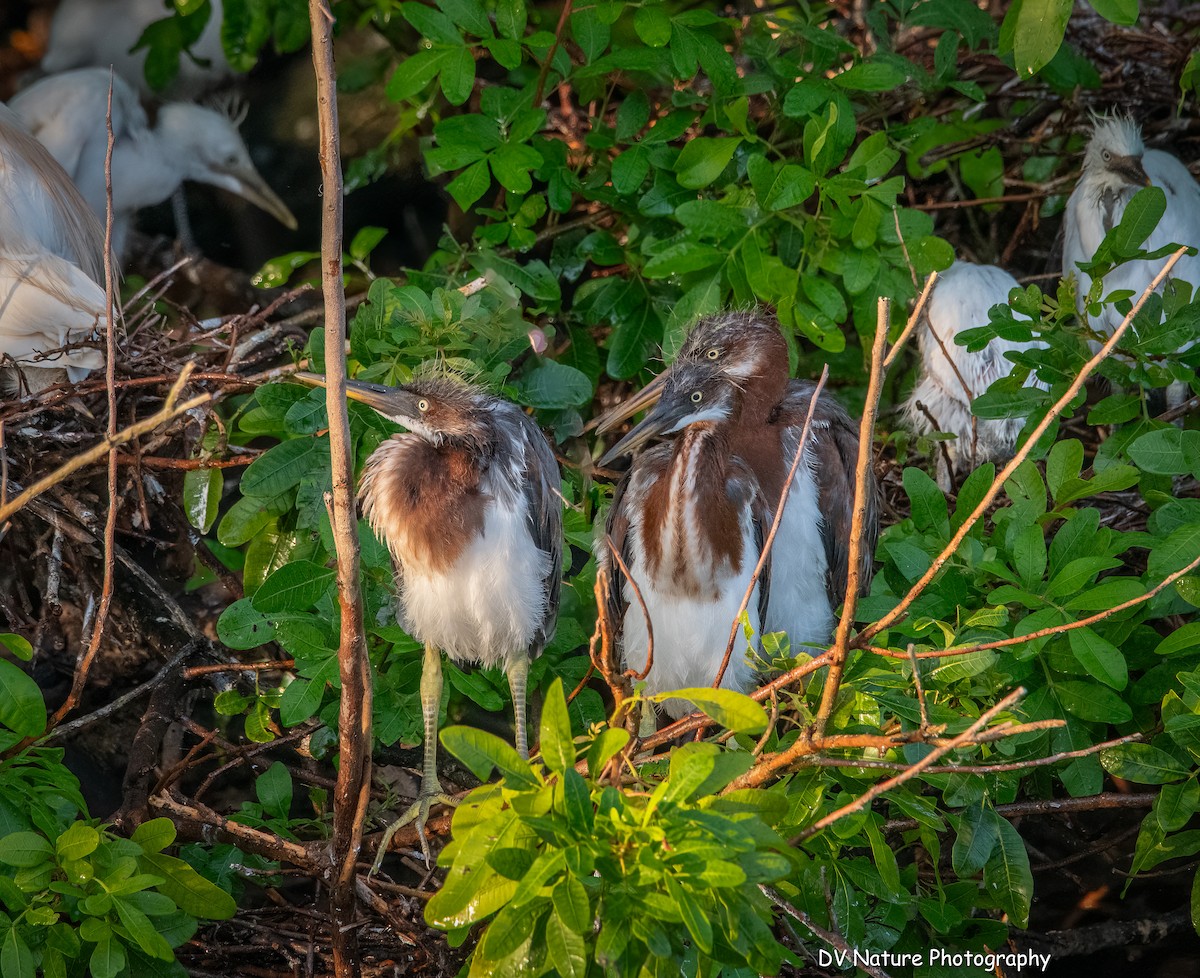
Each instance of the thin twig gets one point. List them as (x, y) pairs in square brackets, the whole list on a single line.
[(637, 593), (764, 556), (911, 771), (832, 938), (913, 319), (1003, 476)]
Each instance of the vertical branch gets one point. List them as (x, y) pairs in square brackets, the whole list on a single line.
[(354, 718), (862, 483), (84, 665)]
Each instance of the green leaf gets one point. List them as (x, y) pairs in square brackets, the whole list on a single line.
[(481, 751), (653, 25), (202, 496), (732, 710), (872, 76), (17, 645), (280, 468), (1169, 451), (22, 708), (558, 748), (1176, 804), (1141, 217), (1124, 12), (703, 159), (296, 586), (274, 790), (694, 918), (77, 842), (1089, 701), (565, 947), (242, 627), (155, 834), (606, 745), (1142, 763), (1007, 876), (24, 849), (1101, 659), (555, 385), (192, 893), (1037, 29), (108, 957), (16, 960), (1186, 638), (572, 905), (975, 840)]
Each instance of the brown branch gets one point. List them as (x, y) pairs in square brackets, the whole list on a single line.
[(832, 938), (84, 664), (208, 670), (913, 319), (558, 32), (1050, 806), (862, 482), (769, 542), (997, 484), (352, 793), (910, 772)]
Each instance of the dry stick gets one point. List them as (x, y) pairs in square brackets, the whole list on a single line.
[(353, 790), (867, 762), (1050, 806), (637, 593), (169, 410), (866, 442), (830, 937), (1165, 583), (84, 665), (912, 321), (766, 549), (910, 772), (997, 484)]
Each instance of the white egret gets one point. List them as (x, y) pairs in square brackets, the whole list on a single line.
[(187, 142), (1115, 166), (51, 259), (952, 377), (99, 33)]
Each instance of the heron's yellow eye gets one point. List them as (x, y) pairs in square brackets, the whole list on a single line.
[(422, 405), (697, 397), (713, 353)]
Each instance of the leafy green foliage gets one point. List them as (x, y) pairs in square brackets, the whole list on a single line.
[(547, 852)]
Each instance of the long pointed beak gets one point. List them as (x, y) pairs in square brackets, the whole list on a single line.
[(646, 397), (1134, 171), (660, 421), (391, 402), (247, 183)]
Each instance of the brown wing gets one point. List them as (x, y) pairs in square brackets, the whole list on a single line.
[(833, 446)]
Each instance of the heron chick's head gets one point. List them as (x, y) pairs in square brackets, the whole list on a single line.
[(1113, 159), (209, 148), (438, 409), (691, 394), (745, 347)]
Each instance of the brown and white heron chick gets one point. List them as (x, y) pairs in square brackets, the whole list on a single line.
[(66, 112), (688, 521), (469, 502), (810, 556)]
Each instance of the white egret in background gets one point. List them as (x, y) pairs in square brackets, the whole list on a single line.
[(99, 33), (51, 264), (186, 142), (952, 377), (1115, 166)]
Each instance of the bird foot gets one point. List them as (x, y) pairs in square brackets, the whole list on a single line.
[(418, 812)]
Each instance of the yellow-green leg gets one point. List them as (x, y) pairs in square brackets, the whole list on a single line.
[(431, 788), (518, 680)]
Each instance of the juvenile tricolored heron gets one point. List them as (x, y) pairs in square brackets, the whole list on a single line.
[(469, 503), (688, 521), (810, 555), (1115, 166), (952, 377), (67, 112), (51, 261)]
